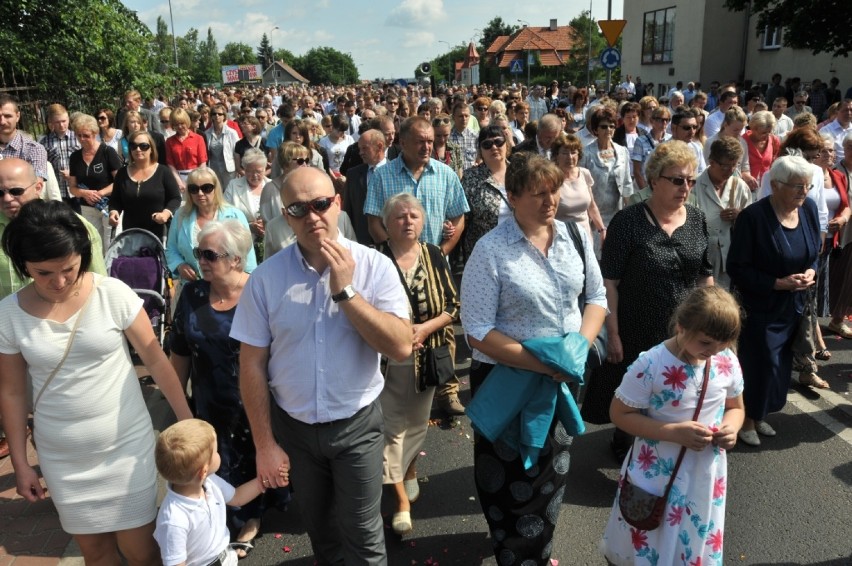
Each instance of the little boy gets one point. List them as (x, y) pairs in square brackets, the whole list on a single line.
[(191, 526)]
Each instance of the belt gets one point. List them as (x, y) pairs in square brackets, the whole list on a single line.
[(186, 171), (330, 423), (220, 559)]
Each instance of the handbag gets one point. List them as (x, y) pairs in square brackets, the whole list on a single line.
[(645, 510), (597, 349), (804, 341)]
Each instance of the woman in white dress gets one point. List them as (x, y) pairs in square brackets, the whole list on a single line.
[(65, 332)]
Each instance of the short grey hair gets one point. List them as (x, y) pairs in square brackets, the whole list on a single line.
[(550, 122), (254, 156), (234, 236), (847, 139), (399, 199), (762, 119), (788, 167)]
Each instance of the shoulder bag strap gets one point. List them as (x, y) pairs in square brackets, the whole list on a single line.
[(411, 298), (574, 232), (68, 345)]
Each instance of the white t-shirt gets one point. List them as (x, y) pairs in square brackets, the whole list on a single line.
[(194, 530), (336, 151)]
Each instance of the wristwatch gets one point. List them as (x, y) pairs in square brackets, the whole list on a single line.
[(346, 294)]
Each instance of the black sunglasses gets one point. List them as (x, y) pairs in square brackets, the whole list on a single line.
[(300, 209), (679, 181), (208, 255), (101, 118), (218, 113), (143, 146), (206, 188), (302, 160), (488, 144), (482, 109), (440, 121), (16, 191)]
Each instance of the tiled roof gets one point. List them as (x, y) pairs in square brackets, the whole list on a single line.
[(553, 45)]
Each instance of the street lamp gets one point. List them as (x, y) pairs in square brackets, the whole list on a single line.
[(174, 39), (269, 56), (450, 64)]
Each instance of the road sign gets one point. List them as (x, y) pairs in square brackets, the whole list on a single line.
[(610, 58), (517, 67), (612, 29), (530, 58)]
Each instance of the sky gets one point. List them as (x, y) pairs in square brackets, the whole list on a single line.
[(386, 38)]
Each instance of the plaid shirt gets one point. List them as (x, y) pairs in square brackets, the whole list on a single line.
[(438, 190), (59, 150), (466, 140), (23, 147)]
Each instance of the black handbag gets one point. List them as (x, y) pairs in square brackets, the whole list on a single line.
[(645, 510), (436, 366), (597, 349)]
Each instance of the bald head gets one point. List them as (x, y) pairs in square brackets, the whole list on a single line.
[(371, 146), (17, 176), (313, 222)]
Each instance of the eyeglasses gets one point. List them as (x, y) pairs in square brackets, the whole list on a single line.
[(101, 118), (16, 191), (300, 209), (206, 188), (143, 146), (679, 181), (164, 121), (440, 121), (804, 188), (482, 109), (208, 255), (302, 160), (606, 126), (661, 119), (693, 127), (488, 144), (218, 113)]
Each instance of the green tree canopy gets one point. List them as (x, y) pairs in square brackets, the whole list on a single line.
[(577, 64), (443, 66), (492, 30), (237, 54), (264, 52), (326, 65), (819, 25), (207, 69), (97, 44), (284, 55)]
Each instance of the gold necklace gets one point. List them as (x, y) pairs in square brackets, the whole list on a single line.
[(74, 294)]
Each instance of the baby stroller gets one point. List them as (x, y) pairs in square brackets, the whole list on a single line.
[(137, 257)]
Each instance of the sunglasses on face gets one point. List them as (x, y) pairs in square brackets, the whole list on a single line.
[(301, 209), (606, 127), (208, 255), (488, 144), (206, 188), (101, 118), (679, 181), (440, 121), (14, 191), (143, 146), (302, 160), (693, 127), (482, 109), (218, 113)]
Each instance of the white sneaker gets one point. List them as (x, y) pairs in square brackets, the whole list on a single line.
[(762, 427)]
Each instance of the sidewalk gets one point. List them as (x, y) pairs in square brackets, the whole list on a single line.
[(30, 533)]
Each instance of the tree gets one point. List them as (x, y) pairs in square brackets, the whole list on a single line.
[(264, 52), (99, 45), (577, 64), (327, 65), (443, 66), (237, 54), (208, 66), (187, 47), (494, 29), (284, 55), (819, 25)]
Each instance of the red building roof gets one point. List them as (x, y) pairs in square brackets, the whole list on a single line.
[(552, 43)]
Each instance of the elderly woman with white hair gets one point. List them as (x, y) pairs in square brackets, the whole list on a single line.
[(203, 352), (763, 146), (772, 262), (244, 193), (406, 399)]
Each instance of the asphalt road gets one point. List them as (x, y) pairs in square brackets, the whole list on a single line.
[(790, 501)]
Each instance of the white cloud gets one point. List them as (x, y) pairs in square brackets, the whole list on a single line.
[(418, 40), (416, 13)]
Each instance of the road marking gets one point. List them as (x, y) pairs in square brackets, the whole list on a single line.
[(821, 416)]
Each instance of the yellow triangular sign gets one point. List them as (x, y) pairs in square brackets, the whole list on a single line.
[(612, 29)]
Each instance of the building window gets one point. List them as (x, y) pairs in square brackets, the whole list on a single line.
[(771, 38), (658, 36)]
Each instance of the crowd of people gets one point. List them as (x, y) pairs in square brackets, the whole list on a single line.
[(326, 240)]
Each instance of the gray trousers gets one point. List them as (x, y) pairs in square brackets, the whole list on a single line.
[(336, 471)]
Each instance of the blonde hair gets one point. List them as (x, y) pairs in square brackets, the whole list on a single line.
[(85, 123), (673, 153), (217, 196), (711, 310), (183, 449)]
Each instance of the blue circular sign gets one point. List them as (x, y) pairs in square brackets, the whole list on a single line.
[(610, 58)]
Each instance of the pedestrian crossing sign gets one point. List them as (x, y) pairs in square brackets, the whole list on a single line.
[(517, 66)]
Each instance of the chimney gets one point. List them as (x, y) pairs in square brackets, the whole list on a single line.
[(552, 24)]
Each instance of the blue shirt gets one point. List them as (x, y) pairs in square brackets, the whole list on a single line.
[(320, 368), (511, 287), (438, 189), (275, 136)]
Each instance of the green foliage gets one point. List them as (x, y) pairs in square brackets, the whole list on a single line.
[(284, 55), (576, 66), (494, 29), (326, 65), (264, 52), (207, 68), (443, 66), (237, 54), (96, 44), (821, 26)]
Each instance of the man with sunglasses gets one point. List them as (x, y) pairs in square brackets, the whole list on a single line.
[(312, 322), (684, 128)]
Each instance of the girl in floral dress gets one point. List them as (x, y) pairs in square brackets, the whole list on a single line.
[(655, 402)]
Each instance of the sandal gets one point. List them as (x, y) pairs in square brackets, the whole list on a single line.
[(841, 329), (245, 545), (823, 355), (813, 380)]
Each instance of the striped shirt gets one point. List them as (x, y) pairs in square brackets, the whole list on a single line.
[(59, 150)]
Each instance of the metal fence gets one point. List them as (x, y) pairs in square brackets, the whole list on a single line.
[(33, 101)]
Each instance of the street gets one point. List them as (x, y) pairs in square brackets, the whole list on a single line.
[(790, 500)]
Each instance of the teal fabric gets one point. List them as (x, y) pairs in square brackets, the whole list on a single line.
[(517, 406)]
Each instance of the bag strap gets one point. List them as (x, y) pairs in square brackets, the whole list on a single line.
[(694, 417), (411, 298), (80, 314), (574, 232)]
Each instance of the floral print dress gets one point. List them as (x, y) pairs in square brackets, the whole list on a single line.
[(692, 531)]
